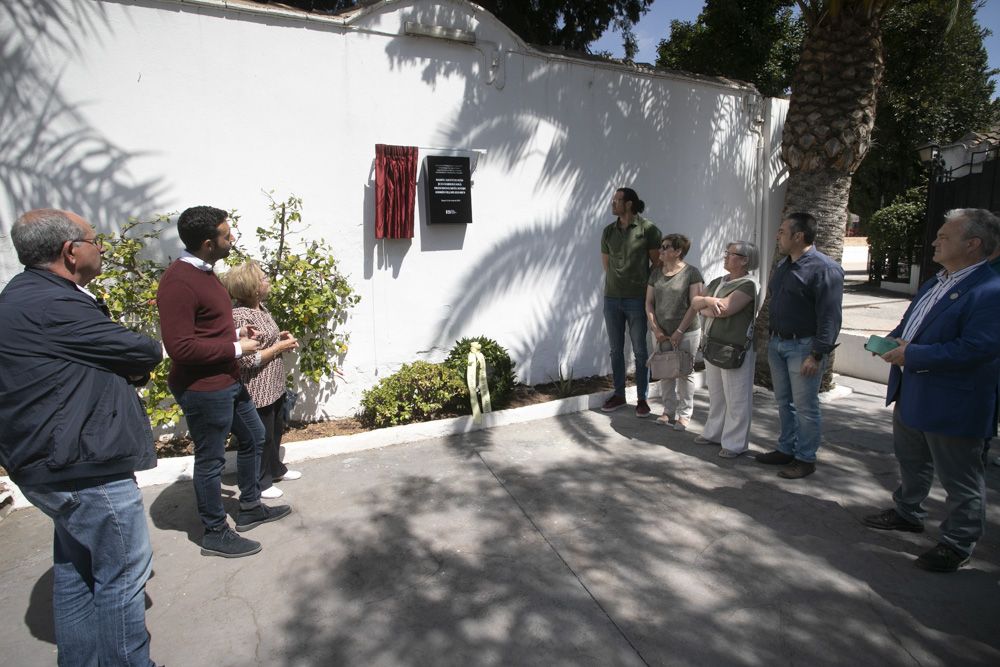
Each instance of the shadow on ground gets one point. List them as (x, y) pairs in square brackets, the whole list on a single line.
[(570, 544)]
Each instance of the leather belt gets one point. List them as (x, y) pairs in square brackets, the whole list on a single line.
[(790, 336)]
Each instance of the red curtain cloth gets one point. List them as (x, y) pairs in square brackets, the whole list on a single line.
[(395, 191)]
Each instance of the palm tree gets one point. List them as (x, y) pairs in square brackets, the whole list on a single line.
[(830, 118)]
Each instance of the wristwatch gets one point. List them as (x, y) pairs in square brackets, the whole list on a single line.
[(818, 356)]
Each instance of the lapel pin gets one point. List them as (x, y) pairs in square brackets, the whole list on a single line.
[(953, 296)]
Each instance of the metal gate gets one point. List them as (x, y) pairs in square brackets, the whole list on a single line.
[(975, 184)]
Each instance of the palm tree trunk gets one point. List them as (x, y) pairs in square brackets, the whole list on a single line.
[(828, 128), (824, 194)]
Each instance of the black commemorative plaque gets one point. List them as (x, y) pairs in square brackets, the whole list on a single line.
[(449, 192)]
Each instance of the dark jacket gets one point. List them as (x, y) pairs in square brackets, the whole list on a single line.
[(66, 410)]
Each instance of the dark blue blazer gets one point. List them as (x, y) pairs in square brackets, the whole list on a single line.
[(66, 410), (948, 383)]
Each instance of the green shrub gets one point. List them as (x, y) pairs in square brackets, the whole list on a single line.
[(417, 392), (309, 295), (499, 368), (895, 234)]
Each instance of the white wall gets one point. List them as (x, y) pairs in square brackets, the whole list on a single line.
[(130, 108)]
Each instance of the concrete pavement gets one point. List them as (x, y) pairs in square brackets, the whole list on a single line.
[(586, 539)]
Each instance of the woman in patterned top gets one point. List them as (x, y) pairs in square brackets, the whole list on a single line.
[(263, 373)]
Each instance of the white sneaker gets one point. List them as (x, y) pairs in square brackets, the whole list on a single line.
[(271, 492), (730, 454), (288, 476)]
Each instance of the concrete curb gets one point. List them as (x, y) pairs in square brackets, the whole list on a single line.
[(170, 470), (853, 360)]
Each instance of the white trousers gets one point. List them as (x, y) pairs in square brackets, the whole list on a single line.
[(730, 404), (677, 394)]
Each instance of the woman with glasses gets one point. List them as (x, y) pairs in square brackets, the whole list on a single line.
[(675, 325), (729, 306), (263, 373)]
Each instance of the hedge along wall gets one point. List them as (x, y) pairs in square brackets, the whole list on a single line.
[(135, 108)]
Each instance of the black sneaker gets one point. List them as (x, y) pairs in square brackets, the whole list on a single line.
[(613, 403), (641, 408), (227, 544), (251, 518), (775, 458), (891, 520), (797, 469), (941, 558)]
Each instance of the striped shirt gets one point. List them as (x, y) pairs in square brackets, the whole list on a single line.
[(946, 281)]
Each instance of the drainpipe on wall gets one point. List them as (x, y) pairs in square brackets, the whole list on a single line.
[(755, 109)]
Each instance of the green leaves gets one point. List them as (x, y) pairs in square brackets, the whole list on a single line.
[(499, 367), (937, 87), (422, 391), (417, 392), (751, 40), (895, 233), (309, 295)]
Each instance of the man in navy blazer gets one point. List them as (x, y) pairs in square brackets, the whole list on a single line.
[(943, 379)]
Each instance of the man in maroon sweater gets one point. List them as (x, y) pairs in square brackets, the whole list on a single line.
[(196, 323)]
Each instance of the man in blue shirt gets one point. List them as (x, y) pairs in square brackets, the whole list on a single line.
[(807, 291)]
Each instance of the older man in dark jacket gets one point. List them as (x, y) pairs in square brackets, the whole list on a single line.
[(73, 433)]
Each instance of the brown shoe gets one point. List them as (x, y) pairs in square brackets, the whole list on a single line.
[(613, 403), (774, 458), (641, 409), (797, 469)]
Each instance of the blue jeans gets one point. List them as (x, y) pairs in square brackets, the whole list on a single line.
[(797, 397), (101, 561), (211, 416), (617, 313)]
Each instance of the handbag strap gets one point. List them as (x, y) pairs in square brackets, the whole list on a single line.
[(737, 283)]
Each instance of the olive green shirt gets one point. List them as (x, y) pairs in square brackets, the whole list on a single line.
[(672, 297), (732, 329), (628, 257)]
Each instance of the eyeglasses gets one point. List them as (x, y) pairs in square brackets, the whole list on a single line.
[(727, 254), (94, 242)]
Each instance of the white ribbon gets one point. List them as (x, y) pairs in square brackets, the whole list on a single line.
[(475, 377)]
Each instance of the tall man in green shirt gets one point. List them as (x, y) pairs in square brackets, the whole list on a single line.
[(629, 250)]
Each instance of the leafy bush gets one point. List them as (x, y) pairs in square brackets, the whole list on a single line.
[(309, 295), (499, 367), (895, 234), (417, 392), (128, 283)]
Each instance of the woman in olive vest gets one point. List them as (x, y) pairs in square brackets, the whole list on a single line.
[(729, 306)]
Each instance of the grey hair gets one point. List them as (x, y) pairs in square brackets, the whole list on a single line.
[(978, 224), (39, 236), (748, 250)]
